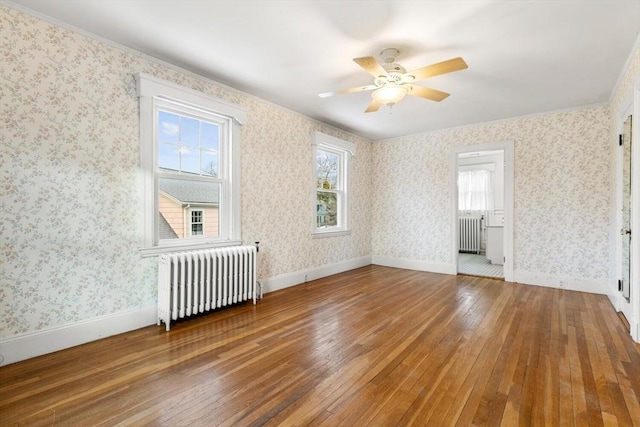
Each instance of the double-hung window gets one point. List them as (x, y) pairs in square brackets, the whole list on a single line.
[(189, 158), (197, 222), (332, 162)]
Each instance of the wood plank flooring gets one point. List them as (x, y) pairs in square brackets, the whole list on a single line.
[(373, 346)]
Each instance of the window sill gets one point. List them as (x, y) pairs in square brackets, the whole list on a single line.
[(323, 234), (165, 249)]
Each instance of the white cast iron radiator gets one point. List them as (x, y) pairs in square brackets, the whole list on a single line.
[(198, 281), (470, 234)]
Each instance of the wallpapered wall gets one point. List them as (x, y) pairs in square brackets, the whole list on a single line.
[(629, 77), (70, 189), (562, 192)]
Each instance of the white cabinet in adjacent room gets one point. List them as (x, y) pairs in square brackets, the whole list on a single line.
[(495, 251)]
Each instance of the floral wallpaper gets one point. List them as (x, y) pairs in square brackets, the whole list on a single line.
[(562, 192), (628, 80), (70, 195)]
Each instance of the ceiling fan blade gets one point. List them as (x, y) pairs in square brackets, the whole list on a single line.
[(371, 66), (455, 64), (427, 93), (350, 90), (373, 106)]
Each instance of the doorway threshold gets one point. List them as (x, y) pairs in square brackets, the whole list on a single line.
[(479, 265)]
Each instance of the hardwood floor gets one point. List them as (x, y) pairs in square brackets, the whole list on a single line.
[(373, 346)]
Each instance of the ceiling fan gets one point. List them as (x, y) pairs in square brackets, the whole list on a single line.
[(392, 81)]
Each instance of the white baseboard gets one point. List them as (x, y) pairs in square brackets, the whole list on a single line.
[(410, 264), (635, 331), (33, 344), (291, 279), (594, 286), (616, 300)]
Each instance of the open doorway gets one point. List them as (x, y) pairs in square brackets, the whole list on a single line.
[(481, 213), (482, 210)]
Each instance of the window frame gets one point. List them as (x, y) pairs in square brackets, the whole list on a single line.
[(345, 151), (152, 93)]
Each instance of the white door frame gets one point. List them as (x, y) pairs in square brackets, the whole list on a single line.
[(630, 309), (507, 147)]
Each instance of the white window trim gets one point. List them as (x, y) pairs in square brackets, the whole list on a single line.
[(321, 141), (149, 89)]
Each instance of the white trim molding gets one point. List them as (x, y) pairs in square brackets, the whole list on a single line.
[(412, 264), (580, 284), (635, 218), (38, 343), (630, 105), (149, 86), (287, 280)]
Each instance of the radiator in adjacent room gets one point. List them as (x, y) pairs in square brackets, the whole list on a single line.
[(199, 281), (470, 234)]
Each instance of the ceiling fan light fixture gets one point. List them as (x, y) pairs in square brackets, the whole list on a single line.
[(390, 94), (392, 82)]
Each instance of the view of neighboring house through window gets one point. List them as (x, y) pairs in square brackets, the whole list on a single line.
[(331, 158), (190, 167)]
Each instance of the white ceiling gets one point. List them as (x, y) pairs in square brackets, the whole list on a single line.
[(524, 57)]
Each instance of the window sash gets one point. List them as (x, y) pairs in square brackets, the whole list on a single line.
[(196, 222), (222, 177), (163, 105)]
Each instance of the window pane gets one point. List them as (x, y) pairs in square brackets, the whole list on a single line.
[(209, 136), (169, 127), (196, 202), (210, 147), (190, 132), (210, 163), (168, 157), (196, 230), (327, 169), (326, 209), (190, 160)]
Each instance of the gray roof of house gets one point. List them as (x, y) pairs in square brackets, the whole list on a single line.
[(165, 230), (190, 192)]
